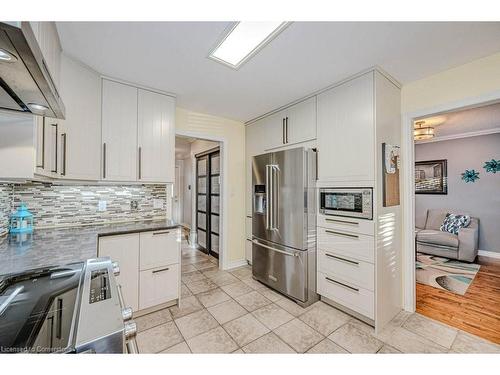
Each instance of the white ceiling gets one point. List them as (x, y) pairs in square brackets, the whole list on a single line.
[(306, 57), (486, 118)]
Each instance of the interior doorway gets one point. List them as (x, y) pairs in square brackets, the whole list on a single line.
[(455, 249), (200, 194)]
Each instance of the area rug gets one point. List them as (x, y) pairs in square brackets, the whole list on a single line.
[(443, 273)]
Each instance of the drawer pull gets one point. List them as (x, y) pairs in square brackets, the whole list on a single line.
[(162, 270), (341, 234), (342, 259), (158, 233), (342, 284), (341, 221)]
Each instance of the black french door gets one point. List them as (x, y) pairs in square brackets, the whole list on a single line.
[(208, 201)]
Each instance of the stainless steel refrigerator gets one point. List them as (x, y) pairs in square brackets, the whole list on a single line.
[(284, 223)]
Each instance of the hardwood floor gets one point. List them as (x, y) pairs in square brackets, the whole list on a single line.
[(476, 312)]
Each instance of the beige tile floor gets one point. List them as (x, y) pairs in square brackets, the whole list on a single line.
[(229, 312)]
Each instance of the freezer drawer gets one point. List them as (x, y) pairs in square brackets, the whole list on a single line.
[(281, 268)]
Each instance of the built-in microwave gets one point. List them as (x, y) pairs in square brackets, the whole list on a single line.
[(349, 202)]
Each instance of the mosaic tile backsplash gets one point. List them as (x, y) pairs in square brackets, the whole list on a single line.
[(5, 207), (69, 205)]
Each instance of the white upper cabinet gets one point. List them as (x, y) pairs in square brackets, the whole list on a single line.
[(156, 137), (346, 131), (48, 39), (293, 125), (119, 131), (81, 131), (300, 122)]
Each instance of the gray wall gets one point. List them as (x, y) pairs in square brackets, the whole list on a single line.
[(480, 199)]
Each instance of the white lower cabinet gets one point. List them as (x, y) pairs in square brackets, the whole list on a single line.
[(153, 245), (158, 285), (353, 297), (149, 266), (345, 263), (124, 249)]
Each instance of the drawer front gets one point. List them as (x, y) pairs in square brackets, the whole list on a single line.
[(347, 224), (158, 285), (353, 297), (356, 272), (159, 248), (355, 246)]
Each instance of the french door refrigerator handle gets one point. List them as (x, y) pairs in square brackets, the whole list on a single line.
[(275, 191), (268, 198)]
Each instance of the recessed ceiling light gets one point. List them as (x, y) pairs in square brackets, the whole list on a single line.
[(7, 56), (243, 40)]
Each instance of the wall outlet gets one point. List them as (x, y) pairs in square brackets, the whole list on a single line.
[(134, 204), (101, 206), (157, 204)]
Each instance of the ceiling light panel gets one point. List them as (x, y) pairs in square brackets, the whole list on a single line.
[(243, 40)]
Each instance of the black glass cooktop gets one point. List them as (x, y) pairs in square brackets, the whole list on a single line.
[(37, 309)]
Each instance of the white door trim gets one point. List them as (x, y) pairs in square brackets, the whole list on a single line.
[(408, 156), (223, 259)]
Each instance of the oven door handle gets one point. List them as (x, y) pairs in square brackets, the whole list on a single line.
[(6, 303), (130, 328)]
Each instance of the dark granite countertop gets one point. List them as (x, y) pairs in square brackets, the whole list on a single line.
[(50, 247)]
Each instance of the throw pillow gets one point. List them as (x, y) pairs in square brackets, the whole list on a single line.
[(452, 223)]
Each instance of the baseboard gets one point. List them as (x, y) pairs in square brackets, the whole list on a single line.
[(235, 264), (489, 254)]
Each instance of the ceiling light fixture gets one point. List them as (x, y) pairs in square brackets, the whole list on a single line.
[(422, 132), (6, 56), (243, 40)]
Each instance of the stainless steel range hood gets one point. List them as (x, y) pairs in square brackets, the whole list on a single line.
[(25, 82)]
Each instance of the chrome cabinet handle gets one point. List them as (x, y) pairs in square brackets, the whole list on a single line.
[(341, 221), (286, 129), (104, 160), (162, 270), (140, 162), (63, 138), (158, 233), (341, 234), (57, 137), (295, 254), (283, 135), (42, 165), (342, 284), (342, 259)]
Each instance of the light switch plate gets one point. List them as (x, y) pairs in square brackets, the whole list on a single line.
[(157, 204), (101, 206)]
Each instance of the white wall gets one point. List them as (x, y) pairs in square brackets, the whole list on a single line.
[(232, 133)]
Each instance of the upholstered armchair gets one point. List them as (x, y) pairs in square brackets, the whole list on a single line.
[(430, 240)]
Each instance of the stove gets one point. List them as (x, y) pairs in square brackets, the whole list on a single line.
[(76, 308)]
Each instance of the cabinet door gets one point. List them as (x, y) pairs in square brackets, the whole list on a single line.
[(80, 136), (346, 131), (158, 286), (124, 249), (156, 137), (44, 147), (119, 131), (301, 122), (48, 40), (159, 248)]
